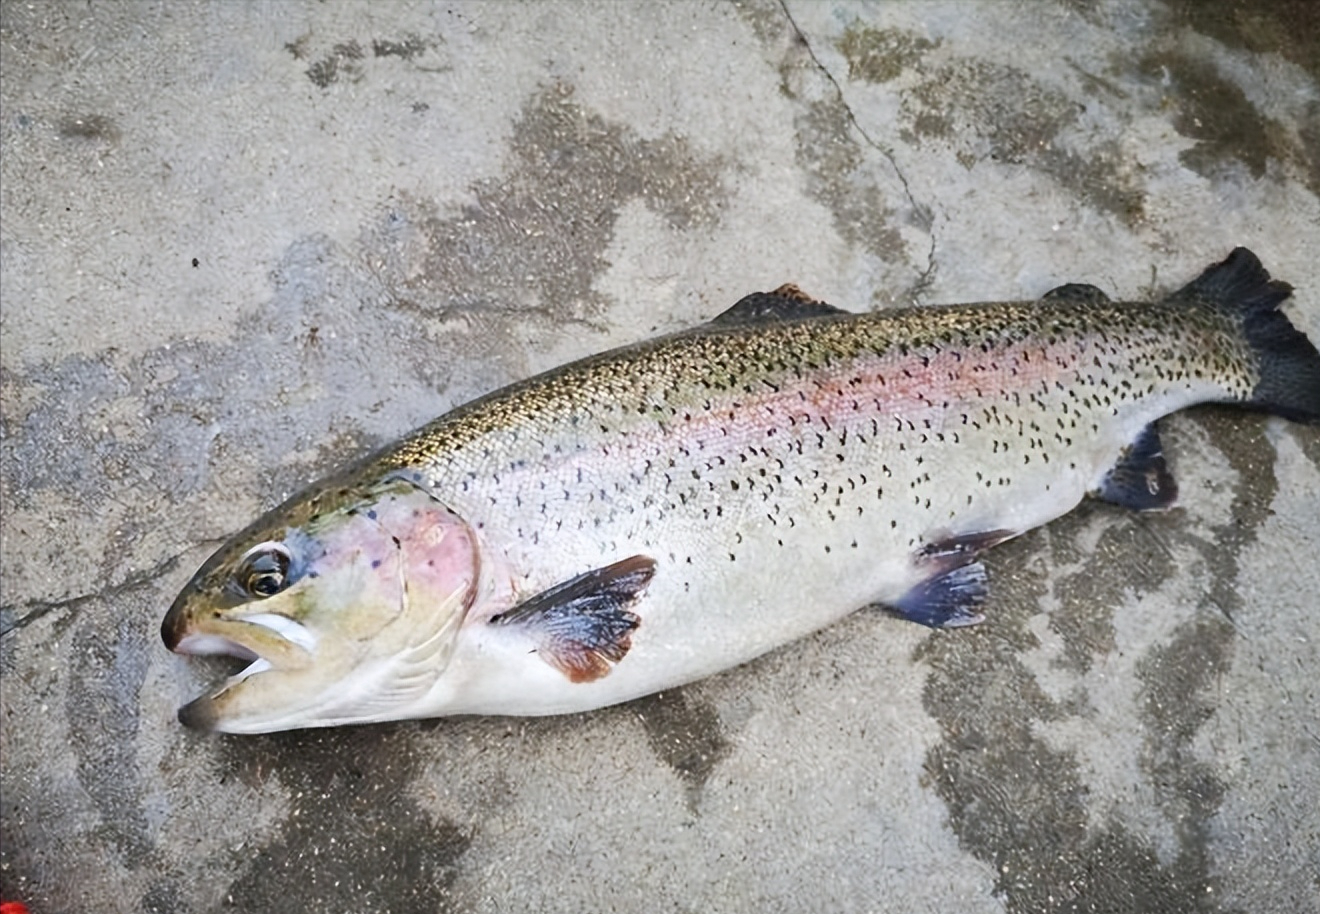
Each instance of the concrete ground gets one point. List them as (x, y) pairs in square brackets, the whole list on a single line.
[(242, 243)]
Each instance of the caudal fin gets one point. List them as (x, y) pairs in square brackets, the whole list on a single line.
[(1287, 362)]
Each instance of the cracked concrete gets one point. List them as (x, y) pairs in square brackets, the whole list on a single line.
[(242, 244)]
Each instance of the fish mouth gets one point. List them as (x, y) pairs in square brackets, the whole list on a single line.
[(269, 640)]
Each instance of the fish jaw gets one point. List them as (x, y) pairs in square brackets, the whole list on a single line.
[(375, 592)]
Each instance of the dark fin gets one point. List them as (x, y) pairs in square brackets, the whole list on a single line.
[(1141, 479), (948, 600), (787, 303), (1286, 360), (1077, 292), (791, 291), (582, 626), (1239, 284)]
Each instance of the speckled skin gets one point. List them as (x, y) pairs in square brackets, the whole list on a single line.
[(780, 473), (784, 475)]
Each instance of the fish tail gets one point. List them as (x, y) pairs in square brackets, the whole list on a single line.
[(1287, 362)]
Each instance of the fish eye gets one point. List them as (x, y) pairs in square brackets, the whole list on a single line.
[(264, 571)]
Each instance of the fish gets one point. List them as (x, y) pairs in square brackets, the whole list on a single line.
[(658, 513)]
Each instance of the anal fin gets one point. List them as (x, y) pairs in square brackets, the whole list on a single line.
[(947, 600), (1141, 479), (583, 626)]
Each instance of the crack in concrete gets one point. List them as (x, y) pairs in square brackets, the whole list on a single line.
[(14, 617), (924, 216)]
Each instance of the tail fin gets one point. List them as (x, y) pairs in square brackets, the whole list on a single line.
[(1288, 363)]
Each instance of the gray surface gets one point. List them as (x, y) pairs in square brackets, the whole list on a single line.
[(395, 208)]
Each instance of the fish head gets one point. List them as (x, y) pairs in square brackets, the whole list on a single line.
[(346, 600)]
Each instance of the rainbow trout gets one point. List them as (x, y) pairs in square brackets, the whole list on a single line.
[(657, 513)]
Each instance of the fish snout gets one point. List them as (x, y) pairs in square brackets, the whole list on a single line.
[(268, 636), (174, 627), (199, 714)]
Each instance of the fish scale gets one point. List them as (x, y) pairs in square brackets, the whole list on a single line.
[(655, 514)]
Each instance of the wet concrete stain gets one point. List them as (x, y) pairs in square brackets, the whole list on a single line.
[(102, 708), (407, 48), (1241, 438), (997, 111), (856, 178), (863, 213), (881, 55), (1217, 114), (1129, 556), (1287, 27), (60, 400), (1176, 701), (985, 110), (1308, 439), (684, 732), (978, 109), (343, 63), (348, 61), (1021, 805), (355, 839), (532, 243), (765, 17), (1309, 135), (89, 127)]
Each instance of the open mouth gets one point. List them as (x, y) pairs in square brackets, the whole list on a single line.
[(268, 640), (267, 636)]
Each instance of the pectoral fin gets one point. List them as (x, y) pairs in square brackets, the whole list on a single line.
[(1141, 479), (583, 626)]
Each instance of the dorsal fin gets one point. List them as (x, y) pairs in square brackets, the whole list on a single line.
[(1080, 293), (791, 291), (786, 303)]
